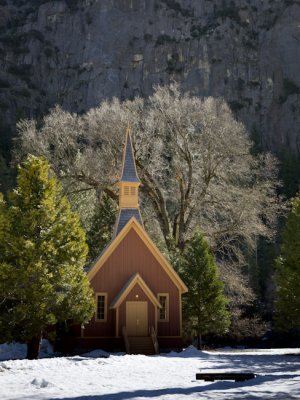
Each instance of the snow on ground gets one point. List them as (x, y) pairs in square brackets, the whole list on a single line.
[(102, 376), (15, 351)]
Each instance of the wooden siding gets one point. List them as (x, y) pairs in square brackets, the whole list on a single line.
[(132, 256), (99, 328)]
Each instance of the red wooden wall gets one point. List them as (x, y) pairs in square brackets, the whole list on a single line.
[(130, 257)]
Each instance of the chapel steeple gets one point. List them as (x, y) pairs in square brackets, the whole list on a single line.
[(128, 188), (129, 182)]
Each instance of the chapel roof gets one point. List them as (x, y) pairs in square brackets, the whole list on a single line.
[(125, 214)]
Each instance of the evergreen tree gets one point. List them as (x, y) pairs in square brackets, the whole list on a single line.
[(42, 280), (204, 306), (101, 229), (289, 172), (3, 225), (5, 175), (287, 276)]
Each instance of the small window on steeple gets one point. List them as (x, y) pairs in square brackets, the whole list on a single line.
[(126, 190), (132, 191)]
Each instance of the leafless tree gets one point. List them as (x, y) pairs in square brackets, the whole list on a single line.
[(194, 160)]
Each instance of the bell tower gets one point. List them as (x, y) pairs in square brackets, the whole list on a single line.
[(128, 188), (129, 182)]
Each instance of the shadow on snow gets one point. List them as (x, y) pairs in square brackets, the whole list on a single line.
[(218, 386)]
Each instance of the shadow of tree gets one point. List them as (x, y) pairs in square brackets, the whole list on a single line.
[(255, 363), (216, 386)]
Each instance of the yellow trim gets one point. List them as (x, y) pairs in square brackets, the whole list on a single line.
[(117, 322), (134, 224), (167, 306), (105, 307), (180, 313), (137, 280)]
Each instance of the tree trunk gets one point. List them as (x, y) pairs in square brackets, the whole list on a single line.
[(33, 347), (199, 341)]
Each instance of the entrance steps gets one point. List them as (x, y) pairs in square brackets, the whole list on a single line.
[(141, 345)]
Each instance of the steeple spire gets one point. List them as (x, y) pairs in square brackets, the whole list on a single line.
[(128, 188), (129, 173)]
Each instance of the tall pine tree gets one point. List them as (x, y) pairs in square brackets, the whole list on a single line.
[(42, 280), (101, 229), (204, 306), (287, 275)]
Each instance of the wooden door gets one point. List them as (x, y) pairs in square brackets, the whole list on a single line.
[(137, 318)]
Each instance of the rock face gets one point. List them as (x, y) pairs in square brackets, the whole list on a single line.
[(79, 52)]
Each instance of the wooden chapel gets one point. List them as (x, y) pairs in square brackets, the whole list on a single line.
[(137, 291)]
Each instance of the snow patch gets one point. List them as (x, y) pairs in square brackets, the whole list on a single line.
[(18, 351), (96, 354), (46, 349), (190, 351), (12, 351)]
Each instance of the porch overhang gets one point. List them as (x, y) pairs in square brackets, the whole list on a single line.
[(135, 279)]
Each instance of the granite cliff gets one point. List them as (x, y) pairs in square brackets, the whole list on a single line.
[(79, 52)]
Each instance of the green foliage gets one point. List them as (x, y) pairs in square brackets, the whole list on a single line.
[(5, 138), (102, 226), (174, 254), (42, 280), (5, 175), (261, 270), (289, 172), (3, 221), (204, 306), (287, 277)]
